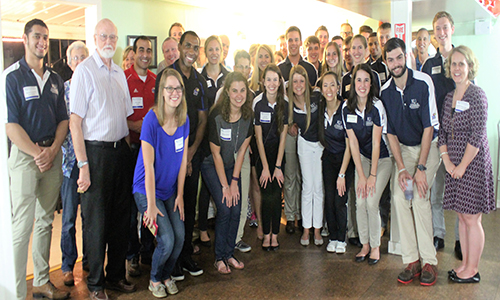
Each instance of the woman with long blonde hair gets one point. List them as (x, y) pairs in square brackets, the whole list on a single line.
[(263, 56)]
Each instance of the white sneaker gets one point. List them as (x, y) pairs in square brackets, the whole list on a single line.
[(325, 232), (171, 287), (341, 247), (332, 246)]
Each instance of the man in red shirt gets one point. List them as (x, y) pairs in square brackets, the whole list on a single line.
[(141, 85)]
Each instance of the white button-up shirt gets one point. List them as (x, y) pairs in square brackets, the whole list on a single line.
[(100, 96)]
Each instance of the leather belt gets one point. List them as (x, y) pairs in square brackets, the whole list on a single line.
[(114, 145)]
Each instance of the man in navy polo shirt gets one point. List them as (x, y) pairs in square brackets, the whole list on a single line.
[(37, 124), (434, 66), (412, 125), (294, 41), (197, 104)]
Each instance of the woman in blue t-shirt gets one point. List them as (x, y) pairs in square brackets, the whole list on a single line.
[(303, 114), (159, 178), (364, 120), (229, 132), (338, 168), (271, 126)]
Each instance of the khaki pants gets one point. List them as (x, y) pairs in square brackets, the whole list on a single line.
[(293, 180), (415, 216), (367, 209), (34, 197), (245, 188)]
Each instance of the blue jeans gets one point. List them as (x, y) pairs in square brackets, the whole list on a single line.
[(70, 200), (228, 218), (170, 236)]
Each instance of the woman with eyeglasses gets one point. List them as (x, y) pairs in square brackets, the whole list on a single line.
[(159, 178)]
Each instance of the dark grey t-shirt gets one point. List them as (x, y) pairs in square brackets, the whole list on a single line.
[(228, 136)]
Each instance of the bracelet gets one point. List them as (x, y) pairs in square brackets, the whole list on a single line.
[(342, 175), (373, 175), (403, 169), (278, 167), (236, 179), (444, 153)]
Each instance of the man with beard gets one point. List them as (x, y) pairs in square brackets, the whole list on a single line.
[(170, 53), (100, 105), (141, 85), (412, 125), (197, 104), (37, 124)]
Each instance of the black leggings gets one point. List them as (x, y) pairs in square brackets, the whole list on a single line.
[(271, 195), (335, 205)]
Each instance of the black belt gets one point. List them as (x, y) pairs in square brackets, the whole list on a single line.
[(114, 145), (46, 143)]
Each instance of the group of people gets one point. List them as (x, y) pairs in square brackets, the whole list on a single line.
[(340, 134)]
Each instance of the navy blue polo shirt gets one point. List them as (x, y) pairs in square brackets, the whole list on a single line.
[(265, 117), (196, 99), (286, 65), (214, 85), (412, 110), (37, 110), (346, 83), (300, 118), (335, 134), (361, 122), (434, 67), (381, 69)]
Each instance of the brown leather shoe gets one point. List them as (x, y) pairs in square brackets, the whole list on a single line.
[(122, 286), (68, 278), (98, 295), (49, 291)]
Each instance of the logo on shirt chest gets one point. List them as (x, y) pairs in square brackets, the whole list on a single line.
[(196, 91), (338, 125), (54, 90), (314, 107), (369, 121), (414, 104)]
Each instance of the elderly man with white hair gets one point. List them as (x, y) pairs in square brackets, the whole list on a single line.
[(100, 105)]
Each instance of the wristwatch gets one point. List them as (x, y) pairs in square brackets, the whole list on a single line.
[(421, 167), (82, 163), (341, 175)]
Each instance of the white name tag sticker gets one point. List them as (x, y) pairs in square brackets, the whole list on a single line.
[(30, 93), (461, 106), (209, 83), (179, 144), (436, 70), (137, 103), (348, 88), (352, 119), (225, 134), (265, 117)]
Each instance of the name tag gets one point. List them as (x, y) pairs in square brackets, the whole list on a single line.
[(348, 88), (225, 134), (137, 103), (179, 144), (30, 93), (382, 76), (461, 106), (265, 117), (209, 83), (436, 70), (352, 119)]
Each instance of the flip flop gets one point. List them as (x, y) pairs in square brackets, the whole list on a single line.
[(236, 263), (222, 268)]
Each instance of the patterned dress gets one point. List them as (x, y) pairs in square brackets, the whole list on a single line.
[(474, 192)]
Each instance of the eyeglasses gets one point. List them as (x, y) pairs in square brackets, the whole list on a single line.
[(103, 37), (170, 89), (78, 58)]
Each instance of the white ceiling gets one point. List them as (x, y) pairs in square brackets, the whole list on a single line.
[(21, 11), (463, 11)]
